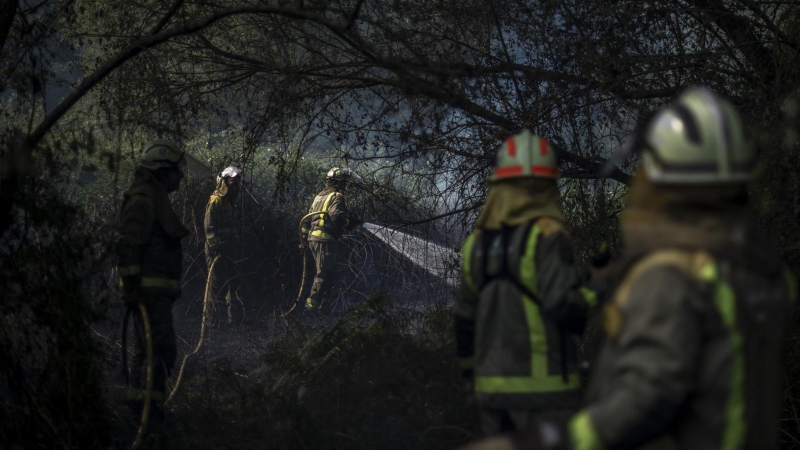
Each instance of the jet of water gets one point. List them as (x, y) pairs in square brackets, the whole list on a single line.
[(437, 259)]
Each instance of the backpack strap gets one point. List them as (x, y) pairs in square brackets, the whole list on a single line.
[(478, 246), (694, 264), (691, 263)]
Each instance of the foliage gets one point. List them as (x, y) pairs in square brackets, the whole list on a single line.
[(378, 378), (49, 363), (416, 95)]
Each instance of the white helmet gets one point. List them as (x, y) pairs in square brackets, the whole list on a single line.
[(698, 139), (342, 173), (229, 172)]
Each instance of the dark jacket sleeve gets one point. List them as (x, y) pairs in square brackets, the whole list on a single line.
[(561, 292), (340, 217), (656, 354), (464, 325), (137, 219)]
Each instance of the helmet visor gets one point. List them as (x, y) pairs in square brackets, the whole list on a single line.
[(196, 168)]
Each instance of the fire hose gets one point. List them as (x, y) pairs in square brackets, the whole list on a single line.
[(203, 324), (303, 250), (148, 392), (149, 349)]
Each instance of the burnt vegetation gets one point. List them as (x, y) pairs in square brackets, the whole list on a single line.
[(415, 96)]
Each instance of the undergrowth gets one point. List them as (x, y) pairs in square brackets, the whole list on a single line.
[(381, 378)]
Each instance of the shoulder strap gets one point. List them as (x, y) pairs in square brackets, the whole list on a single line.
[(693, 263), (526, 249), (508, 272)]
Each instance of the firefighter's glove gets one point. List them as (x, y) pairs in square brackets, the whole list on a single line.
[(131, 284), (131, 293), (550, 433), (353, 223), (134, 300), (303, 242)]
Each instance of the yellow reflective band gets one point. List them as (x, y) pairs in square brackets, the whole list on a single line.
[(321, 234), (589, 295), (466, 255), (466, 363), (540, 379), (309, 304), (582, 433), (527, 266), (526, 385), (127, 271), (325, 207), (304, 230), (536, 329), (165, 283), (725, 301)]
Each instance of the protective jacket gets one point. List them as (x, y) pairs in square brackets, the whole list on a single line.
[(520, 303), (149, 245), (333, 220), (219, 222), (695, 354)]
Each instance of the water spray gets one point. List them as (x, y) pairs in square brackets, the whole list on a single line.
[(434, 258)]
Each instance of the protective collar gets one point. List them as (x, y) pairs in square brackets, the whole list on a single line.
[(517, 201)]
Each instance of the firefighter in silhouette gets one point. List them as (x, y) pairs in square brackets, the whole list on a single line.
[(697, 326), (149, 255), (322, 232), (521, 303), (220, 226)]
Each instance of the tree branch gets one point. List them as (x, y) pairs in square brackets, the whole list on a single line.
[(151, 41), (163, 22), (8, 12)]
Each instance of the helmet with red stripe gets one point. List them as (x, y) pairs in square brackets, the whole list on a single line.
[(525, 155)]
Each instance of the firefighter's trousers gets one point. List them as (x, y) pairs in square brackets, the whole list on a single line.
[(224, 282), (324, 253)]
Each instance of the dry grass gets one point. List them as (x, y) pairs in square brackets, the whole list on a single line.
[(380, 378)]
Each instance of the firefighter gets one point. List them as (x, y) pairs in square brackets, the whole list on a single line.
[(322, 231), (521, 303), (220, 221), (697, 326), (149, 263)]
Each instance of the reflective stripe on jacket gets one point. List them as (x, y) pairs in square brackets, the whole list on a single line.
[(519, 305), (694, 360), (145, 248), (332, 220)]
